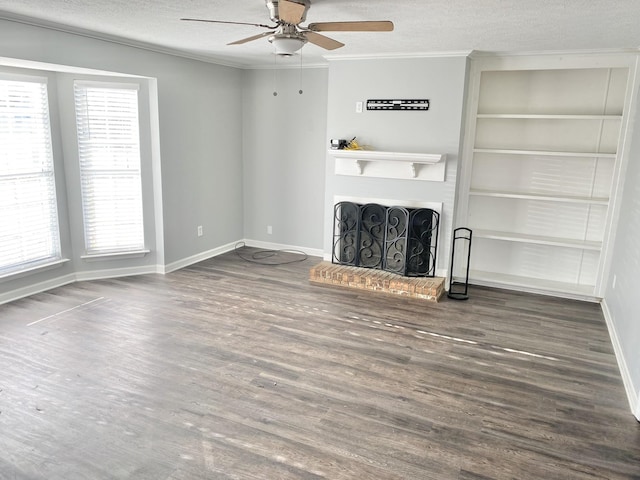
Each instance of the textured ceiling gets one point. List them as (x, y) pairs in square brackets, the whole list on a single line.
[(421, 26)]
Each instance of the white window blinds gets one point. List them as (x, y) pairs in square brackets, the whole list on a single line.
[(29, 233), (109, 153)]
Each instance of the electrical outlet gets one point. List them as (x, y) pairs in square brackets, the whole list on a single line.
[(358, 107), (199, 230), (269, 230)]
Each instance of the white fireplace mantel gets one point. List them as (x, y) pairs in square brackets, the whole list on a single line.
[(371, 163)]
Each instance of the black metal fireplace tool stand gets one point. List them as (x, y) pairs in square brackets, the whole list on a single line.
[(460, 290)]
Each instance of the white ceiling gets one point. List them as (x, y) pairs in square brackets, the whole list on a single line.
[(421, 26)]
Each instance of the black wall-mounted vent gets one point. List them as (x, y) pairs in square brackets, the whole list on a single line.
[(398, 105)]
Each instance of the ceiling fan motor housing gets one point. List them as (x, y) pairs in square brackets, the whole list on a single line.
[(274, 11), (287, 40)]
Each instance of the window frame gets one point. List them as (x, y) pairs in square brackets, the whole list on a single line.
[(48, 173), (131, 251)]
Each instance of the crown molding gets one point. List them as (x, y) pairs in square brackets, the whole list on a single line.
[(212, 59), (52, 67), (602, 51), (395, 56), (287, 67), (147, 46), (11, 17)]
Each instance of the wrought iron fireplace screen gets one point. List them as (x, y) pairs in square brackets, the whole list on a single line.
[(396, 239)]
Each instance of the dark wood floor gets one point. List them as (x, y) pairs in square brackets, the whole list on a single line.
[(228, 370)]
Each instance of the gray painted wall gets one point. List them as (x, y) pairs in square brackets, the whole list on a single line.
[(199, 112), (284, 155), (623, 301), (200, 107), (440, 79)]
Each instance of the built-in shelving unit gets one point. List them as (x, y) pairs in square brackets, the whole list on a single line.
[(541, 156), (371, 163)]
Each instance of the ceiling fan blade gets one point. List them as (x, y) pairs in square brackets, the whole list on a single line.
[(222, 21), (290, 12), (250, 39), (381, 26), (322, 41)]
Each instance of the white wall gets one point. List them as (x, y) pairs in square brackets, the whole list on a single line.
[(197, 177), (622, 302), (284, 155), (441, 80)]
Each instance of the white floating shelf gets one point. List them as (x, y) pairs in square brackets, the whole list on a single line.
[(408, 166)]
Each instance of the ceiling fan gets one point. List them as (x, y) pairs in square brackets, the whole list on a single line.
[(288, 36)]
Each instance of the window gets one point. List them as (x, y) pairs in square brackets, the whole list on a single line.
[(109, 153), (29, 233)]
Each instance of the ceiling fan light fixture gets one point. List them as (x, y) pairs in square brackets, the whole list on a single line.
[(287, 46)]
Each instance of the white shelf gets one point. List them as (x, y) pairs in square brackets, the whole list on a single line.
[(541, 197), (529, 284), (537, 239), (545, 153), (527, 116), (371, 163)]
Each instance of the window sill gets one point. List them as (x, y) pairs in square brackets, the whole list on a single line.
[(35, 268), (97, 257)]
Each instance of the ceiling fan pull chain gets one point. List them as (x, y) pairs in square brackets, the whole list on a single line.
[(300, 91), (275, 78)]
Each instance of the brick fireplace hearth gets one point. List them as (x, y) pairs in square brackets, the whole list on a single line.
[(425, 288)]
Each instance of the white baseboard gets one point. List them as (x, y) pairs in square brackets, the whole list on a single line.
[(632, 394), (185, 262), (229, 247), (36, 288), (115, 272), (143, 270), (40, 287), (313, 252), (110, 273), (534, 290)]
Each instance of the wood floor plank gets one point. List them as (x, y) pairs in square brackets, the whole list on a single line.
[(232, 370)]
